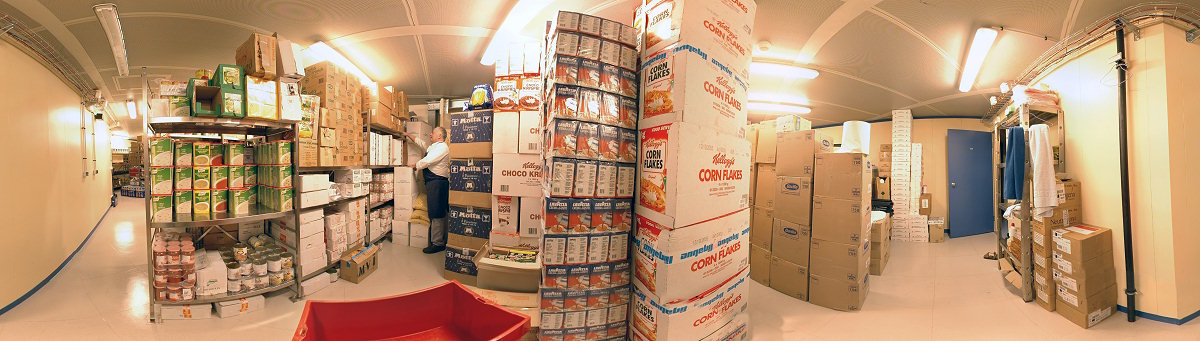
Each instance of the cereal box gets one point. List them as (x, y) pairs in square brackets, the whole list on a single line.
[(685, 166), (687, 84), (677, 265), (693, 319), (721, 26)]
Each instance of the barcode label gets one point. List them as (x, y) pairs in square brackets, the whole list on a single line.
[(532, 146), (504, 188)]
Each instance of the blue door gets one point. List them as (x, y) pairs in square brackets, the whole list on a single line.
[(969, 171)]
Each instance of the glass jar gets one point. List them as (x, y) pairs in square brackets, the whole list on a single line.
[(174, 292), (160, 276), (262, 281), (241, 251), (160, 293), (187, 255), (187, 292), (174, 274), (275, 278), (260, 266), (235, 285), (160, 256), (275, 263), (173, 255), (285, 260), (246, 267), (248, 283), (288, 274), (189, 274), (233, 271)]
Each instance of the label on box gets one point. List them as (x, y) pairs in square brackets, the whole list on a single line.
[(554, 249), (1068, 297), (469, 221), (529, 98), (606, 180), (684, 166), (682, 79), (471, 127), (562, 176), (588, 49), (567, 44), (505, 95), (563, 137), (517, 175), (1064, 265), (598, 247), (585, 178), (618, 247), (590, 102), (566, 70), (505, 214), (576, 249), (622, 215), (626, 180), (566, 102), (587, 140)]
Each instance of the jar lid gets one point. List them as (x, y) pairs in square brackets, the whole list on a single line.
[(172, 243), (173, 286), (188, 249), (275, 257), (172, 248), (186, 242), (160, 248), (233, 265), (188, 285)]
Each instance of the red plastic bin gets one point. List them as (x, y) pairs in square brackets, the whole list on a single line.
[(448, 311)]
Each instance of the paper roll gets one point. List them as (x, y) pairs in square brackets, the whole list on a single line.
[(856, 137)]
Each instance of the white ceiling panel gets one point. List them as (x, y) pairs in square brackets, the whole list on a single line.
[(401, 67), (972, 105), (454, 64), (462, 12), (874, 49), (787, 24)]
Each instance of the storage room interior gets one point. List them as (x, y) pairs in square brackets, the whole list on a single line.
[(599, 169)]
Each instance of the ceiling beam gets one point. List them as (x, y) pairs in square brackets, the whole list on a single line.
[(916, 34), (932, 101), (868, 113), (410, 11), (415, 30), (833, 24), (1069, 21)]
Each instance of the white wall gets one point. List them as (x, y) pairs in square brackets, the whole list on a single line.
[(49, 206), (1162, 114)]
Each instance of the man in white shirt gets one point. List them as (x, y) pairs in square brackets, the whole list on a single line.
[(435, 167)]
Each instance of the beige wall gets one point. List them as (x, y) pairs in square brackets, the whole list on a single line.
[(1162, 114), (931, 134), (49, 206)]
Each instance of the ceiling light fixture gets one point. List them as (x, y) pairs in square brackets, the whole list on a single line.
[(322, 52), (1004, 88), (777, 98), (982, 43), (777, 108), (510, 30), (131, 107), (992, 100), (107, 15), (783, 70)]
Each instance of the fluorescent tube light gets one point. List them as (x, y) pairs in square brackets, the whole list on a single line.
[(777, 98), (510, 31), (107, 15), (131, 107), (982, 43), (321, 52), (777, 108), (783, 70)]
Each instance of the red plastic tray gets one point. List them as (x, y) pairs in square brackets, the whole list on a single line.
[(448, 311)]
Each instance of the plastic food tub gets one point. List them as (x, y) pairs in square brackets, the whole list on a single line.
[(448, 311)]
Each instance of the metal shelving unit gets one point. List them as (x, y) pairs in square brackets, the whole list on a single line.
[(246, 129)]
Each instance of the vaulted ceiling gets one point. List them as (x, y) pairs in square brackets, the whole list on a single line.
[(874, 56)]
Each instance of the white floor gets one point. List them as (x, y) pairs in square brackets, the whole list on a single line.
[(928, 291)]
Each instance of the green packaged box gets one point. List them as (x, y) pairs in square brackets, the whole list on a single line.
[(229, 77), (161, 152), (216, 153), (237, 177), (279, 175), (183, 178), (220, 200), (235, 154), (201, 178), (285, 152), (203, 99), (179, 106), (183, 202), (232, 103), (201, 154), (285, 199), (220, 177), (251, 176), (240, 200), (160, 208), (253, 194), (201, 202), (160, 180), (183, 154)]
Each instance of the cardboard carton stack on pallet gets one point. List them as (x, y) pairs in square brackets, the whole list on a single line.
[(517, 150), (1069, 212), (469, 219), (905, 179), (1084, 274), (339, 126), (841, 231), (693, 211), (589, 176)]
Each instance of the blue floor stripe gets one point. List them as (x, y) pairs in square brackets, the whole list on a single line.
[(35, 289), (1160, 318)]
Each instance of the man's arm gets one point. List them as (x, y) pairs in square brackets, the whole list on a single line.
[(421, 143), (436, 154)]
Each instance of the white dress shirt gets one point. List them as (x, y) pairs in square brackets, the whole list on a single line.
[(436, 157)]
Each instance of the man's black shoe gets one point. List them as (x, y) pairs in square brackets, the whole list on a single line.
[(433, 249)]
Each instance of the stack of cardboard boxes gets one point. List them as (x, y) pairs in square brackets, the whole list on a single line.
[(339, 129), (1084, 274), (469, 219), (517, 150), (905, 180), (881, 248), (841, 246), (384, 109), (1069, 212), (586, 158), (381, 215), (693, 209), (404, 194)]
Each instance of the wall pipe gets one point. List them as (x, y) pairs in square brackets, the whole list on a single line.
[(1130, 289)]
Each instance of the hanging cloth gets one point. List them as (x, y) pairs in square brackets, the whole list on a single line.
[(1014, 164), (1045, 192)]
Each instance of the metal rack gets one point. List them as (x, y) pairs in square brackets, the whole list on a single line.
[(1024, 116), (231, 126), (379, 129)]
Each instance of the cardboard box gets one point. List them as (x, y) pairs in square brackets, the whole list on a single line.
[(937, 229), (767, 143), (840, 221), (837, 293), (761, 223), (1081, 243), (1060, 217), (879, 264), (471, 182), (469, 221), (257, 56), (460, 265), (843, 176), (471, 134), (789, 278), (240, 306), (679, 83), (1084, 279), (692, 22), (690, 320), (760, 265), (358, 264), (677, 265), (926, 201), (506, 132), (1045, 288), (883, 187), (793, 199), (801, 149), (518, 175), (881, 230), (677, 175), (765, 186), (848, 262), (1089, 311), (529, 137), (790, 241), (186, 312)]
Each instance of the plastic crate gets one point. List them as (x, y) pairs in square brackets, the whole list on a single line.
[(448, 311)]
